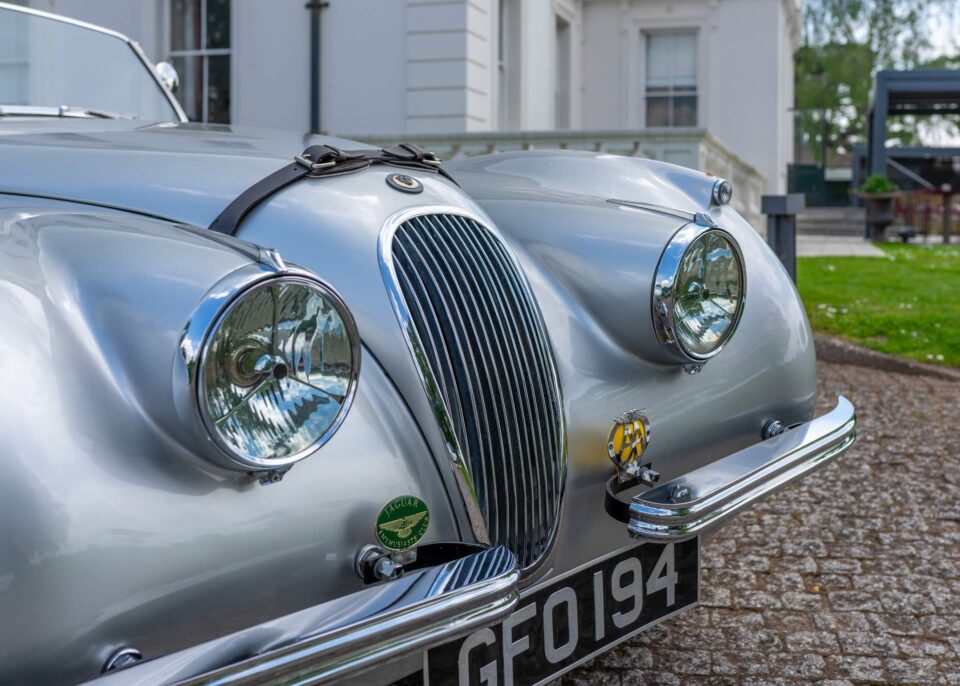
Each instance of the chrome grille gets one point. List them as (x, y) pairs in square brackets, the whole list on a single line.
[(482, 342)]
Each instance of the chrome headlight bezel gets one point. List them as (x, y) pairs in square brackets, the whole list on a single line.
[(664, 296), (722, 192), (202, 328)]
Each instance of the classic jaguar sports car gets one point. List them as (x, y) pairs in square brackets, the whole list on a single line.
[(287, 409)]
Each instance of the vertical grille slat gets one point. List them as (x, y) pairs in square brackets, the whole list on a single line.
[(507, 448), (457, 366), (475, 363), (518, 369), (543, 358), (486, 347), (531, 361)]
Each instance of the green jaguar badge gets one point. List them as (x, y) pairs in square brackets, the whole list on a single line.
[(402, 522)]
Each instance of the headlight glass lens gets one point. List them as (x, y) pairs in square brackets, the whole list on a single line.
[(278, 371), (709, 294)]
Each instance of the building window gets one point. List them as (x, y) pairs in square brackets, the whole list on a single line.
[(671, 85), (200, 51)]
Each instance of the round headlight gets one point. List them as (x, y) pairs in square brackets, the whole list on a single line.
[(698, 292), (277, 371)]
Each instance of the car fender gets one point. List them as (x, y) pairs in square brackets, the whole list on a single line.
[(114, 529)]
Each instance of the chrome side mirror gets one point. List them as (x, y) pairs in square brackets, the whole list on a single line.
[(168, 76)]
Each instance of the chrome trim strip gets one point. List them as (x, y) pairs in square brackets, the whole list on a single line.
[(65, 20), (61, 111), (171, 98), (722, 489), (346, 636), (653, 207)]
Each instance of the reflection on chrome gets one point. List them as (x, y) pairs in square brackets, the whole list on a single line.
[(277, 370), (698, 293), (707, 293)]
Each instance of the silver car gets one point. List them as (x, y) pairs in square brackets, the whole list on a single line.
[(295, 409)]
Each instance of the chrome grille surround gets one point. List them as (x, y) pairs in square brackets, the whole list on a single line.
[(477, 335)]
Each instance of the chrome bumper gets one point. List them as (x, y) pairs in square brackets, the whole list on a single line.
[(346, 636), (706, 498)]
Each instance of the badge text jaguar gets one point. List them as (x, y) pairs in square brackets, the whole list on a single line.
[(402, 523)]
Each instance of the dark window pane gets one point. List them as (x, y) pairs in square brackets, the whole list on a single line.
[(218, 84), (658, 111), (185, 25), (190, 93), (685, 111), (218, 24)]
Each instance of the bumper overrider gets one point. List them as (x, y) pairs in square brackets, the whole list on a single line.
[(706, 498), (426, 608)]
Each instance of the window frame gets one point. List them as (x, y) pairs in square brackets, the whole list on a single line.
[(203, 53), (671, 94)]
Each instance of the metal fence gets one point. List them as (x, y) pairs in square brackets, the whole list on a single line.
[(923, 211)]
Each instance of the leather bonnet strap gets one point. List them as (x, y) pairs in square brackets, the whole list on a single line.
[(319, 161)]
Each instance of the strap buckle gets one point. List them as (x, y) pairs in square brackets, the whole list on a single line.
[(319, 157), (311, 165), (412, 153)]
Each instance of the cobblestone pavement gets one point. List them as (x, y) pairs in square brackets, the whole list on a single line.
[(850, 577)]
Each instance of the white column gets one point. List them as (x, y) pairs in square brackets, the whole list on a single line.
[(450, 66)]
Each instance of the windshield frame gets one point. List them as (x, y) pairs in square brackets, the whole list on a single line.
[(132, 44)]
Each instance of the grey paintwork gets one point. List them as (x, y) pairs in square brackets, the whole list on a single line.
[(114, 532), (115, 529), (112, 529)]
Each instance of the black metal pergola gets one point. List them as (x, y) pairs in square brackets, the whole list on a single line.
[(918, 92)]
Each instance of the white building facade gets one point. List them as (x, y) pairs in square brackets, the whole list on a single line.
[(704, 83)]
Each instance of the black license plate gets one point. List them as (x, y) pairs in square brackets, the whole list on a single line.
[(569, 620)]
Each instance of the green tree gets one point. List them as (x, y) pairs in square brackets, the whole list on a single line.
[(845, 42)]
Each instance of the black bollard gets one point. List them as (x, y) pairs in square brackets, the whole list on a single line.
[(781, 211)]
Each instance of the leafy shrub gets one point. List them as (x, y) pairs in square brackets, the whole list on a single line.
[(878, 183)]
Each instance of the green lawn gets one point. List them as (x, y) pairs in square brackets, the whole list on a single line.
[(906, 304)]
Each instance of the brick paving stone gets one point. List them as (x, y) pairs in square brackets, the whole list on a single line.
[(844, 601), (867, 643), (857, 669), (912, 671), (808, 666), (822, 642), (846, 578)]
